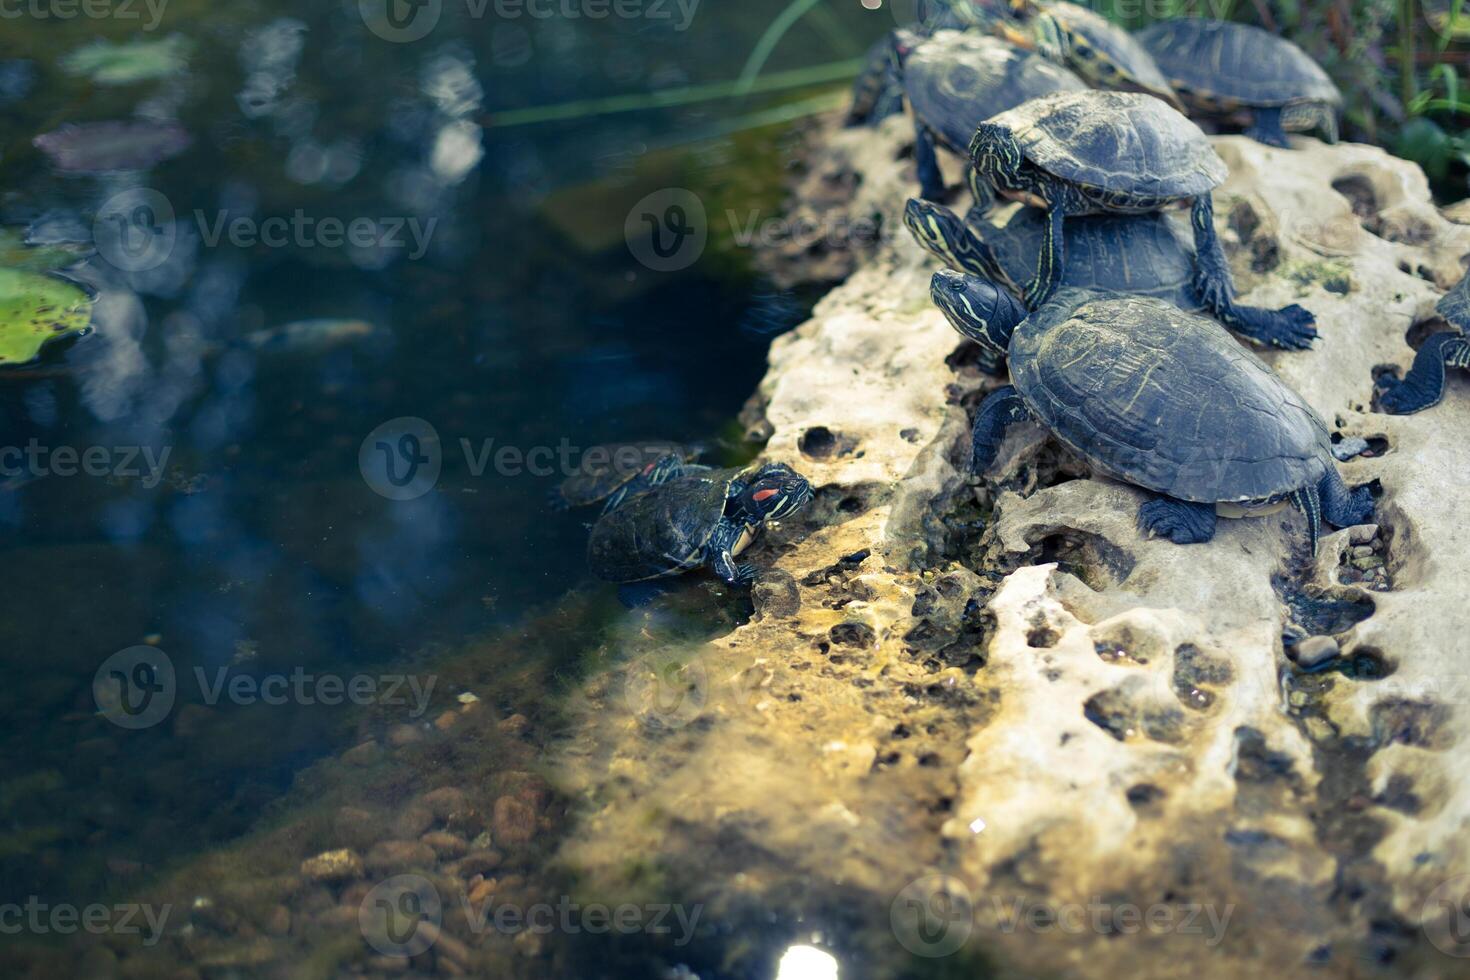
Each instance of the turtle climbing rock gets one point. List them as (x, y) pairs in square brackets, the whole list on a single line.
[(1094, 47), (1080, 153), (1156, 397), (701, 519), (1423, 387), (615, 471), (1236, 72), (1142, 254)]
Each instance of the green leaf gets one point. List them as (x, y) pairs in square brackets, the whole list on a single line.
[(16, 254), (124, 64), (36, 309)]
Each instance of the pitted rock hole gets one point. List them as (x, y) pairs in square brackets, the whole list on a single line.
[(820, 442), (1099, 563), (1320, 615), (1360, 194)]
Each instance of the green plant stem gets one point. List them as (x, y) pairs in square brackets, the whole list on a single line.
[(1407, 86)]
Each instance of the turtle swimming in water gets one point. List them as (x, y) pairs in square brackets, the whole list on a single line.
[(701, 519), (1091, 45), (1227, 70), (1423, 387), (615, 471), (1140, 254), (1156, 397), (1079, 153), (954, 81)]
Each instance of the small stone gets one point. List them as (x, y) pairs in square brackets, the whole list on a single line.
[(1362, 533), (444, 801), (467, 697), (483, 890), (355, 827), (338, 865), (392, 856), (362, 755), (1363, 551), (1372, 561), (1314, 651), (514, 821), (401, 735), (476, 863), (413, 821), (515, 726), (446, 721), (445, 844)]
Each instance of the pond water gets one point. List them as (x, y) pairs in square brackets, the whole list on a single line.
[(192, 476)]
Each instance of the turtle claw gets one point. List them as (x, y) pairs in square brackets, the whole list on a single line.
[(1295, 330), (1395, 397), (1177, 520)]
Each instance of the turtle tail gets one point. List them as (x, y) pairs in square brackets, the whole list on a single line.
[(1309, 502)]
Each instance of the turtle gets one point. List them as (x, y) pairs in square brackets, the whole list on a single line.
[(956, 80), (1423, 387), (1227, 70), (700, 519), (614, 471), (1078, 153), (1094, 47), (1142, 254), (1157, 397)]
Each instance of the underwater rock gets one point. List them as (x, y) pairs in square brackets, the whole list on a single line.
[(1011, 704), (111, 147)]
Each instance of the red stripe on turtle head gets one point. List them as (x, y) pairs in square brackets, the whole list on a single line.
[(760, 496)]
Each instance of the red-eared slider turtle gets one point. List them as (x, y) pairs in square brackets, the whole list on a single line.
[(1077, 153), (1423, 387), (1227, 70), (702, 519), (1141, 254), (1157, 397), (615, 471), (1088, 43), (954, 81)]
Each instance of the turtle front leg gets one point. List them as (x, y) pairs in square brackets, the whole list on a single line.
[(1266, 128), (1423, 387), (720, 553), (1052, 259), (1000, 410), (1290, 328), (931, 180), (1178, 520)]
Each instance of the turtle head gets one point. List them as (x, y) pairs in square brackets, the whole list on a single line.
[(977, 308), (1033, 29), (941, 233), (775, 491), (995, 153)]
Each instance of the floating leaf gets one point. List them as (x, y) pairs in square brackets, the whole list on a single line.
[(36, 309), (15, 253), (124, 64), (107, 147)]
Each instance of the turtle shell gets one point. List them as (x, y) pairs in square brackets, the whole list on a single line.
[(1226, 61), (1098, 45), (1165, 400), (955, 81), (662, 532), (606, 469), (1143, 253), (1454, 306), (1117, 141)]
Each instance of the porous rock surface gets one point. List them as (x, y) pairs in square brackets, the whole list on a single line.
[(997, 697)]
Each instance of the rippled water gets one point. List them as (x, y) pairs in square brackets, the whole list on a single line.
[(470, 267)]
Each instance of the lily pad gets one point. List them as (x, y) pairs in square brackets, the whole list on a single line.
[(108, 147), (124, 64), (15, 253), (37, 309)]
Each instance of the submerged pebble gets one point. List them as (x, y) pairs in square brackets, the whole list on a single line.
[(1314, 651)]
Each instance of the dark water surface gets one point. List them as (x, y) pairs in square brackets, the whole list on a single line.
[(255, 546)]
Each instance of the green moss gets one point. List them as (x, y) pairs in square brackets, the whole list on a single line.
[(1335, 277)]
